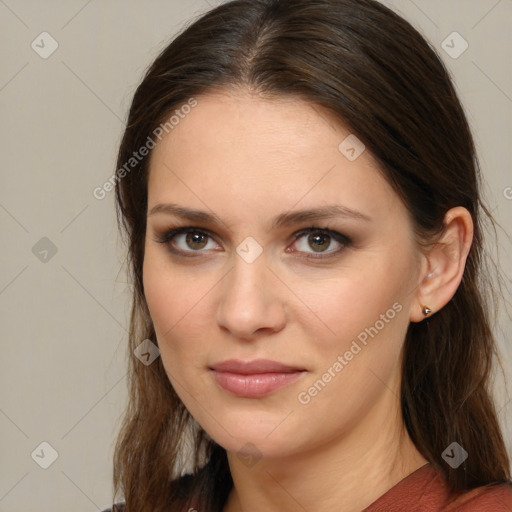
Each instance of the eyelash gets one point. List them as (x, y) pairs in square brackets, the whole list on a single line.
[(167, 237)]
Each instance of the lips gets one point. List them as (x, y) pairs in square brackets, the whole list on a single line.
[(256, 378), (254, 366)]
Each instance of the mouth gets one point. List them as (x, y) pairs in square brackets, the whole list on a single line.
[(256, 378)]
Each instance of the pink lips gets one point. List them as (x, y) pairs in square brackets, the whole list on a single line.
[(253, 379)]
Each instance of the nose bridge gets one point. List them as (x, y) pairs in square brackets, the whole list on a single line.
[(248, 301), (249, 275)]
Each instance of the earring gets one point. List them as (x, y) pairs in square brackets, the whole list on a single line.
[(426, 310)]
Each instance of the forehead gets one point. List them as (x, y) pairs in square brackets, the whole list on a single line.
[(235, 148), (229, 118)]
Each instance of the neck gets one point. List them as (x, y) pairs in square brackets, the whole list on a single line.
[(348, 473)]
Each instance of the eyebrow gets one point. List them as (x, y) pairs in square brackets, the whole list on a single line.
[(281, 220)]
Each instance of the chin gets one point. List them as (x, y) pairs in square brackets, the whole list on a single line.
[(245, 437)]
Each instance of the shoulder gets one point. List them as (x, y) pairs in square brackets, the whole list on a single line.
[(427, 489), (118, 507), (497, 498), (185, 486)]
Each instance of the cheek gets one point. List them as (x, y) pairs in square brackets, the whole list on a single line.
[(176, 303), (357, 300), (360, 361), (329, 310)]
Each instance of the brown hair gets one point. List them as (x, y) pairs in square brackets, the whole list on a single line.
[(378, 76)]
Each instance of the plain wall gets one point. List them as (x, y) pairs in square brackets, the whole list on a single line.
[(65, 319)]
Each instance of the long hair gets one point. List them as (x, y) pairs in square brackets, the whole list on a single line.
[(380, 78)]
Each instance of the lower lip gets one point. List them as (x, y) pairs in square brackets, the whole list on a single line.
[(254, 385)]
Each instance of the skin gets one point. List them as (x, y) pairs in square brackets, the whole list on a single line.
[(246, 160)]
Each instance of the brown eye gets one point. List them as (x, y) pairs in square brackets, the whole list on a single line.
[(324, 242), (187, 241), (196, 240), (319, 241)]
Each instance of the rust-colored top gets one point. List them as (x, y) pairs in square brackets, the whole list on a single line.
[(426, 490)]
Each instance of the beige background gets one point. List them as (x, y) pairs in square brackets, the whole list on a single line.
[(64, 320)]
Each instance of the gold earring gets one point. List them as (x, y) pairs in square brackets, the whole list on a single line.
[(426, 310)]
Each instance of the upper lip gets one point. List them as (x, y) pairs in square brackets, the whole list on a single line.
[(254, 367)]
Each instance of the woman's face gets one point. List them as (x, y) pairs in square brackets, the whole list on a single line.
[(250, 280)]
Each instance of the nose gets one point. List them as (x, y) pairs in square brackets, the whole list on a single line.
[(251, 301)]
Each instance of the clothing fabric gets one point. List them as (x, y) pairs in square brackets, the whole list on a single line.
[(426, 490)]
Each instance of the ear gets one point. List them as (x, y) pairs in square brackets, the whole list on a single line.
[(444, 264)]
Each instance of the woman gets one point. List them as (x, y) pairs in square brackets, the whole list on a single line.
[(300, 193)]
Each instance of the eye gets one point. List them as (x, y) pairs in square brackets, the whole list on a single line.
[(186, 240), (320, 240), (189, 241)]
